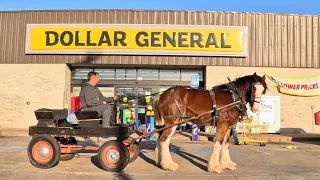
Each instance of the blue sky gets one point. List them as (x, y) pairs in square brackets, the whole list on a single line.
[(269, 6)]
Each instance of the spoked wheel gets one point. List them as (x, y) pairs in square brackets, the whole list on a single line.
[(133, 152), (69, 141), (113, 156), (44, 151)]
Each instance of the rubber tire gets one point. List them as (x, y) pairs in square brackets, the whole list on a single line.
[(124, 156), (135, 153), (68, 157), (55, 150)]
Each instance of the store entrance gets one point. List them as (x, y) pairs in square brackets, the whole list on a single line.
[(135, 85), (136, 102)]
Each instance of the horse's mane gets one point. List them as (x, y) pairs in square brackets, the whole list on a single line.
[(240, 81)]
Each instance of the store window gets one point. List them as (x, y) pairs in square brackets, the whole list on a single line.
[(186, 74), (81, 73), (106, 73), (126, 74), (169, 75), (150, 74)]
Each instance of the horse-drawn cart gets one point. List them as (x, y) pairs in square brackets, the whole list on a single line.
[(54, 136), (54, 139)]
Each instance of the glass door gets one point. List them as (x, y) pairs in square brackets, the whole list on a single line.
[(146, 96), (127, 108), (136, 102)]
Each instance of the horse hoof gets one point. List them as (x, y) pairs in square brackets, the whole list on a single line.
[(171, 167), (230, 165), (217, 168)]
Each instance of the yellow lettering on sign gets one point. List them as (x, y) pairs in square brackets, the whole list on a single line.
[(125, 39)]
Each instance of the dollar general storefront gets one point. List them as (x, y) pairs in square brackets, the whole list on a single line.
[(47, 54)]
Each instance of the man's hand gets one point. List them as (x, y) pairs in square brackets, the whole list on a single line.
[(104, 102), (116, 98)]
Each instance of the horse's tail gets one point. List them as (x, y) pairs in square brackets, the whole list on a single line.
[(158, 120)]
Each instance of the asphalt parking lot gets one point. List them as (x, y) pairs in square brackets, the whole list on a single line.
[(273, 161)]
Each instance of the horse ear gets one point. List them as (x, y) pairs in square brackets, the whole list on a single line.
[(264, 77), (254, 73)]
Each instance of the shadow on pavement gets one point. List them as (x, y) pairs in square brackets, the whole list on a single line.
[(191, 158), (173, 149), (121, 175)]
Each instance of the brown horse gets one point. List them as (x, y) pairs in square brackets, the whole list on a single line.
[(178, 103)]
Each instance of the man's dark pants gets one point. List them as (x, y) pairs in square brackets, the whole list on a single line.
[(234, 134), (108, 113)]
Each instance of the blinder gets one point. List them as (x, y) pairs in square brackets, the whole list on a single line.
[(251, 92)]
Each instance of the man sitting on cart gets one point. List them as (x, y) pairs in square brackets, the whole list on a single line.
[(91, 99)]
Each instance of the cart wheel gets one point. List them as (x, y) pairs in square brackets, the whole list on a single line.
[(44, 151), (67, 157), (134, 152), (113, 156)]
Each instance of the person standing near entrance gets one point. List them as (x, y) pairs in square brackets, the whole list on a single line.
[(234, 134), (91, 99), (233, 131)]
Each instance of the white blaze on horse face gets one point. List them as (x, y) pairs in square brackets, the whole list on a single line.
[(257, 99)]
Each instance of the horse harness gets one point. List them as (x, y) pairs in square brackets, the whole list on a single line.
[(234, 93)]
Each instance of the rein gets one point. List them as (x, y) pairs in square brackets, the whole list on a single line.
[(138, 97)]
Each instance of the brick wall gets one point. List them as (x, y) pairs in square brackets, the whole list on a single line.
[(27, 87), (295, 112)]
